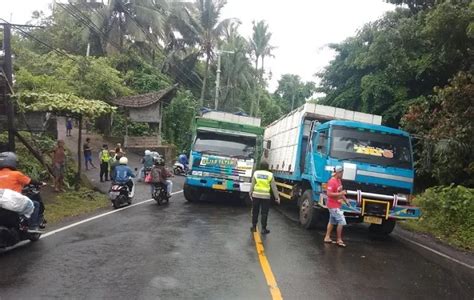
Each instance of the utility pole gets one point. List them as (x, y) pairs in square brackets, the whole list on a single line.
[(218, 76), (7, 69)]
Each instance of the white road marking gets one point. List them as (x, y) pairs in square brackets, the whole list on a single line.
[(99, 216), (438, 253)]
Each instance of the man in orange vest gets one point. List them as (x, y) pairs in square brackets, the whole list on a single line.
[(263, 184)]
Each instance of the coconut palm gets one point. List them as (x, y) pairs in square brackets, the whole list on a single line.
[(209, 30), (137, 21), (237, 73), (260, 48)]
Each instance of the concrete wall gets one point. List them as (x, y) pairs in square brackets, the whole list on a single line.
[(150, 114)]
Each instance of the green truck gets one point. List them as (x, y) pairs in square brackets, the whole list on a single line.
[(225, 150)]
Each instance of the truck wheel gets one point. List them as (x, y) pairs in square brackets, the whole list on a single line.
[(191, 194), (308, 214), (383, 229)]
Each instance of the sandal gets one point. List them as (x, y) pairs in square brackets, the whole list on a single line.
[(341, 244), (329, 242)]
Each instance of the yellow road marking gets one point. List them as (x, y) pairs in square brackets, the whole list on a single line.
[(267, 270)]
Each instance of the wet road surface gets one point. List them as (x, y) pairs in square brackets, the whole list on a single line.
[(205, 251)]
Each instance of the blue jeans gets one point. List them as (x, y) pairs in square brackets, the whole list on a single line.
[(336, 217), (34, 220)]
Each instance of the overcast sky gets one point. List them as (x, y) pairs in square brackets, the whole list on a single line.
[(301, 29)]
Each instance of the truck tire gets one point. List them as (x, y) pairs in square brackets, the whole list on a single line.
[(383, 229), (308, 214), (191, 194)]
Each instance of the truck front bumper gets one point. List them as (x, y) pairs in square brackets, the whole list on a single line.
[(225, 185), (381, 209)]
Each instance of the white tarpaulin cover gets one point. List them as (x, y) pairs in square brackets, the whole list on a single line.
[(14, 201)]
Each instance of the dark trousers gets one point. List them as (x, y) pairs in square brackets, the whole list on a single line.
[(104, 170), (264, 205)]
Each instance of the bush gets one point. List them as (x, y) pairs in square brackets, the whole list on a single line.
[(448, 213)]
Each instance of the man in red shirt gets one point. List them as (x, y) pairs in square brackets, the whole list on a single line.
[(336, 196)]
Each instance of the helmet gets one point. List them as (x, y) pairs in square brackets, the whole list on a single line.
[(123, 160), (147, 152), (159, 161), (8, 160)]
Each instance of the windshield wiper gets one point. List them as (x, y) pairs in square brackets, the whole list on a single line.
[(208, 151)]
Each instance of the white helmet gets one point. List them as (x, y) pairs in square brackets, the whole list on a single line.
[(123, 161), (147, 152)]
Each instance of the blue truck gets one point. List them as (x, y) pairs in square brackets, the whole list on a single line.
[(225, 150), (304, 146)]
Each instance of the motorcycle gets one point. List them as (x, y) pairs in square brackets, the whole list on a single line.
[(179, 169), (120, 194), (160, 194), (14, 228)]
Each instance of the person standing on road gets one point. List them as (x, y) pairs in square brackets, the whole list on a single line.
[(59, 165), (263, 184), (68, 126), (336, 196), (104, 158), (88, 154)]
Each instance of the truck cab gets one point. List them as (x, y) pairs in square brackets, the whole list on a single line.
[(377, 160), (224, 153)]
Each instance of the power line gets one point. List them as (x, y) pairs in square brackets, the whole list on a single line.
[(87, 22), (91, 25), (27, 34)]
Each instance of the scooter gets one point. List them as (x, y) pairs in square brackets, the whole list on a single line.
[(120, 194), (179, 169), (160, 194), (14, 228)]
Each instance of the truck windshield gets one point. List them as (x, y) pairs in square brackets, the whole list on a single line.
[(226, 145), (373, 147)]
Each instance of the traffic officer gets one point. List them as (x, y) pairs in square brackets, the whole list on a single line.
[(263, 184)]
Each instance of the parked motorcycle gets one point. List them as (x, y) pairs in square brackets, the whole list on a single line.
[(120, 194), (160, 194), (13, 227), (179, 169)]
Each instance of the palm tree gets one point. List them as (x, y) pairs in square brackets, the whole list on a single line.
[(209, 30), (260, 48), (138, 21), (237, 73)]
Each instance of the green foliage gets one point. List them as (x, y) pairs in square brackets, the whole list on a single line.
[(293, 92), (399, 58), (178, 118), (91, 78), (134, 128), (62, 104), (448, 213), (444, 122)]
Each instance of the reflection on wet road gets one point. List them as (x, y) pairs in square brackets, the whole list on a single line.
[(206, 251)]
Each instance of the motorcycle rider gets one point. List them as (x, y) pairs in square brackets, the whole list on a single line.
[(123, 174), (15, 180), (147, 162), (183, 159), (159, 174)]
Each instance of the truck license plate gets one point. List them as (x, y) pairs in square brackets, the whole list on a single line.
[(373, 220)]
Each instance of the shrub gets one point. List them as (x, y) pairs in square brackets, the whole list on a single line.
[(448, 212)]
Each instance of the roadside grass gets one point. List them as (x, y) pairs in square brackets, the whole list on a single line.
[(73, 203), (452, 240), (447, 215)]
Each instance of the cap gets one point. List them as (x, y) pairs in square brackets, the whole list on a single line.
[(338, 169)]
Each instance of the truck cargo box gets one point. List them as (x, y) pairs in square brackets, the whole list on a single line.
[(231, 118), (284, 136)]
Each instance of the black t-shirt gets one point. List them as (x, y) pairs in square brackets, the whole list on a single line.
[(87, 149)]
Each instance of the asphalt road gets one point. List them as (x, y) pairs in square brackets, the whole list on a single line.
[(206, 251)]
